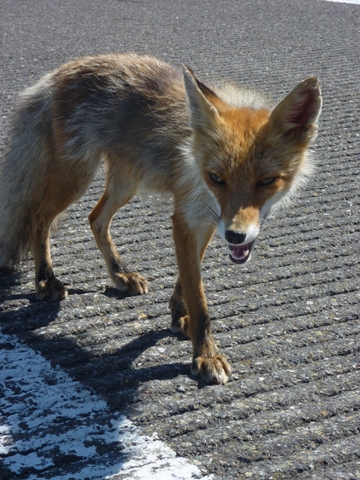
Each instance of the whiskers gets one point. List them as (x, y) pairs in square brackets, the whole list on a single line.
[(265, 220), (212, 215)]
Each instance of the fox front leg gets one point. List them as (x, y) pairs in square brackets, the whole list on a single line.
[(100, 219), (190, 245), (179, 316)]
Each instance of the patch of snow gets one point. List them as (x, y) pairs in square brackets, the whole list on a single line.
[(53, 427)]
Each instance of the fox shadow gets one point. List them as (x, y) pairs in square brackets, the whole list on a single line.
[(23, 315), (112, 376)]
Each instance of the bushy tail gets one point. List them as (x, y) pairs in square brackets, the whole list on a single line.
[(22, 172)]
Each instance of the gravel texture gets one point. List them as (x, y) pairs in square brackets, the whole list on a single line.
[(288, 321)]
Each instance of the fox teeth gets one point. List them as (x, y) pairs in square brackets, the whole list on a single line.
[(240, 257), (244, 254)]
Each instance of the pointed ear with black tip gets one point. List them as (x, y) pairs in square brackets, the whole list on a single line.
[(200, 102), (296, 115)]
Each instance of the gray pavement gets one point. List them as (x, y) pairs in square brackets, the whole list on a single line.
[(288, 321)]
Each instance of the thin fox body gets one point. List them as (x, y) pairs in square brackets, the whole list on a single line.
[(226, 155)]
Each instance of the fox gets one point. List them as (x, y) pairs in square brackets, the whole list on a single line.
[(227, 155)]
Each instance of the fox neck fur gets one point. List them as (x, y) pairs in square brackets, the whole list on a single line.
[(226, 154)]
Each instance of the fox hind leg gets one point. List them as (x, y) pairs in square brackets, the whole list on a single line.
[(115, 196), (54, 201), (47, 286), (65, 182)]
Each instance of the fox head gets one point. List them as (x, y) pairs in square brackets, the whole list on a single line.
[(250, 158)]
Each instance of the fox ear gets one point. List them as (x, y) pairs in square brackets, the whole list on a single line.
[(296, 115), (200, 101)]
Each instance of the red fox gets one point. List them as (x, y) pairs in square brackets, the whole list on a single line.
[(225, 154)]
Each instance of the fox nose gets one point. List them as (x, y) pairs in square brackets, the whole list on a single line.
[(235, 238)]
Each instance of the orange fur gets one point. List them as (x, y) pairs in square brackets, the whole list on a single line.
[(225, 154)]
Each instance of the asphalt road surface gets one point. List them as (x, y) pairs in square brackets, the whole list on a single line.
[(97, 386)]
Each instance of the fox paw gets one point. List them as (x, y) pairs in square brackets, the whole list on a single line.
[(177, 307), (212, 369), (181, 325), (51, 290), (131, 282)]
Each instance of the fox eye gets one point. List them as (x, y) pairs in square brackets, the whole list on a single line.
[(216, 179), (266, 181)]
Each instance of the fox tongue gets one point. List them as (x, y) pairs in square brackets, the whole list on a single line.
[(239, 252)]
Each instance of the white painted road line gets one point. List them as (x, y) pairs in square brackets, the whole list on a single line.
[(357, 2), (53, 425)]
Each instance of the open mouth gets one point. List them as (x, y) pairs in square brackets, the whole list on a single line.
[(240, 253)]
